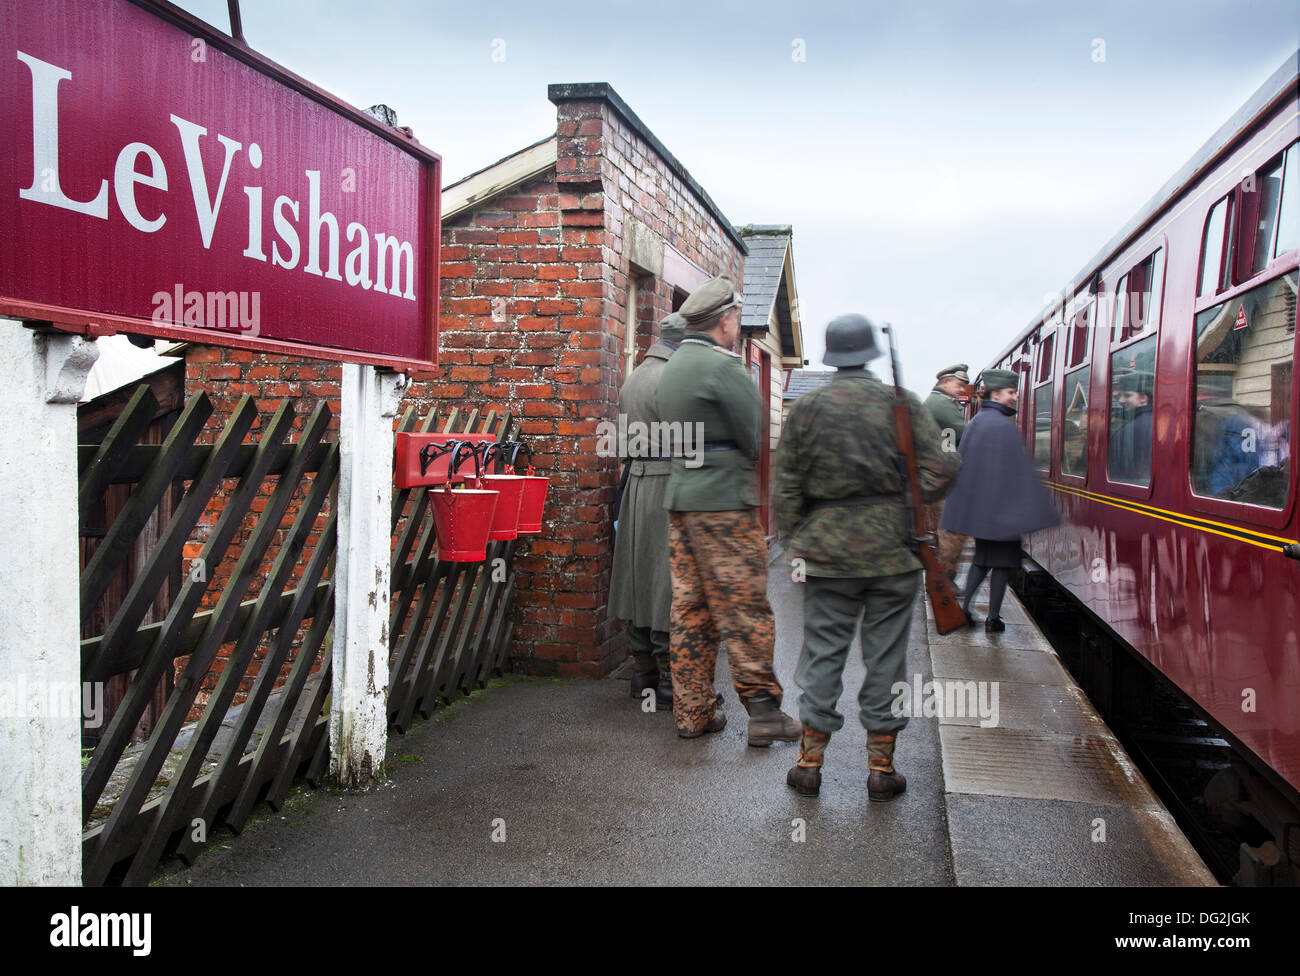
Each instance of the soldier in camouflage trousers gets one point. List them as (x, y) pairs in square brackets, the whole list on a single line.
[(717, 552), (841, 510)]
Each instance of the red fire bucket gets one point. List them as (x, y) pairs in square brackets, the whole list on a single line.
[(505, 521), (462, 517), (533, 503)]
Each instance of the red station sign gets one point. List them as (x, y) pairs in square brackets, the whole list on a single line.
[(160, 178)]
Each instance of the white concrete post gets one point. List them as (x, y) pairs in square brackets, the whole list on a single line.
[(42, 376), (359, 699)]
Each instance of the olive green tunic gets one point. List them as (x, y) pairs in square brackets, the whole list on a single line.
[(708, 390), (946, 412)]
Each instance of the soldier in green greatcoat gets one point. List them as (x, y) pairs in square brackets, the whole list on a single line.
[(948, 412), (841, 509), (943, 403), (641, 586)]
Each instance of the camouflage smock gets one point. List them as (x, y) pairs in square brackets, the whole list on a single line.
[(839, 442)]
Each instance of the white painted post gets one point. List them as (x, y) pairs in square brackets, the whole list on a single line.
[(359, 698), (42, 376)]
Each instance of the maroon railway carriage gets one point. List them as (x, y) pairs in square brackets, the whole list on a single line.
[(1158, 397)]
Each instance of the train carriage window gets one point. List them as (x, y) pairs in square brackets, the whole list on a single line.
[(1268, 184), (1288, 223), (1077, 342), (1043, 426), (1046, 349), (1132, 389), (1214, 270), (1074, 438), (1137, 299), (1242, 427)]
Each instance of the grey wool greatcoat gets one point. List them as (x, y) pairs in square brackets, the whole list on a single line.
[(641, 586)]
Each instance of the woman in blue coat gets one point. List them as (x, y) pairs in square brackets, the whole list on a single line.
[(998, 496)]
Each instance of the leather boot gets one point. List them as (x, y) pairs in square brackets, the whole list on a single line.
[(664, 696), (806, 774), (715, 724), (641, 680), (768, 724), (883, 783), (664, 691)]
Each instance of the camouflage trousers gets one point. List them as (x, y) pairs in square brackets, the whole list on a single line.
[(719, 568), (947, 545)]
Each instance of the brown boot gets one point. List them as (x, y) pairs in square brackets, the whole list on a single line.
[(806, 774), (883, 783), (768, 724), (715, 724)]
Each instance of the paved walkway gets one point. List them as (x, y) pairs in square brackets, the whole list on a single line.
[(579, 786)]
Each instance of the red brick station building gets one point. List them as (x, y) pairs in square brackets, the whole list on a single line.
[(558, 262)]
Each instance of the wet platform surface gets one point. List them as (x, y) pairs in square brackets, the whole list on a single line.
[(536, 781)]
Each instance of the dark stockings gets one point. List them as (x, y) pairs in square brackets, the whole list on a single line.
[(997, 588)]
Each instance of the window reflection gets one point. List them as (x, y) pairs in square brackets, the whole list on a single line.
[(1132, 389), (1043, 426), (1242, 428), (1074, 442)]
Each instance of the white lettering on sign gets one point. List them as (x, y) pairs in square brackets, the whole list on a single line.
[(394, 258)]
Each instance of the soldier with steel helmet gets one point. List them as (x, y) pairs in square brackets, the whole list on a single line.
[(717, 548), (841, 509)]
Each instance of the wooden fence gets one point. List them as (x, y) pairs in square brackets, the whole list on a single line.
[(261, 661)]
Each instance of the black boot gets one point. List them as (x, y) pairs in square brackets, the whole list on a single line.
[(664, 696), (641, 680)]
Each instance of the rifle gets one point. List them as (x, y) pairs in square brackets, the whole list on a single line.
[(948, 614)]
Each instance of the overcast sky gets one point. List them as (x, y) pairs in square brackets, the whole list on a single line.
[(944, 165)]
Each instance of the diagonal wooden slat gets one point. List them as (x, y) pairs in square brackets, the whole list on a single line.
[(177, 794), (160, 655), (107, 460), (449, 621), (281, 769), (129, 656), (142, 458), (439, 681), (224, 774), (498, 606), (120, 538), (423, 578), (134, 606)]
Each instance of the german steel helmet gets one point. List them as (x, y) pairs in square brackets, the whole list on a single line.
[(850, 341)]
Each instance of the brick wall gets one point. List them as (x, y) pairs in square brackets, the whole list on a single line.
[(532, 320)]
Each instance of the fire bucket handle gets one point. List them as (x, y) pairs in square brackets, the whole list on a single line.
[(456, 460), (431, 452), (493, 454), (514, 454)]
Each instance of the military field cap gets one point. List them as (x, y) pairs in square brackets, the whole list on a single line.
[(850, 341), (714, 296), (1135, 382), (999, 379), (673, 327), (957, 372)]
